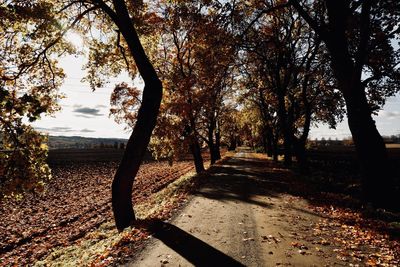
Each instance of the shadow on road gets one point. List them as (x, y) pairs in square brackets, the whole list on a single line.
[(241, 178), (189, 247)]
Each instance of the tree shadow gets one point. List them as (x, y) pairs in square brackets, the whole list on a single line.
[(188, 246), (241, 179)]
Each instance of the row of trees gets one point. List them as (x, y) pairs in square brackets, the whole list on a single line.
[(216, 72)]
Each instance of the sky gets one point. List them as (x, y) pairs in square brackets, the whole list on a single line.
[(86, 113), (83, 112), (387, 122)]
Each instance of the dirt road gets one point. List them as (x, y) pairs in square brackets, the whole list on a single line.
[(238, 219)]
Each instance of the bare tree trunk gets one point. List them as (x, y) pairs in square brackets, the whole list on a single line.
[(146, 121), (275, 149), (301, 156), (196, 152), (269, 142), (217, 144), (283, 122), (129, 166), (210, 143), (377, 178), (232, 142), (300, 143)]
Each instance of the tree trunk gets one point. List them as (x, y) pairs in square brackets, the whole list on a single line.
[(214, 154), (232, 143), (283, 122), (217, 145), (133, 155), (377, 178), (210, 143), (211, 150), (196, 152), (264, 143), (301, 156), (269, 142), (146, 120), (275, 149), (300, 143)]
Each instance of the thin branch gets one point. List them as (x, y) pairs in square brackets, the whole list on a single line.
[(365, 29), (26, 66), (51, 70), (370, 79), (111, 13), (262, 13), (69, 5), (122, 49), (320, 30)]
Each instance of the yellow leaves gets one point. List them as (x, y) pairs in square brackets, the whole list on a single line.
[(10, 83), (44, 146)]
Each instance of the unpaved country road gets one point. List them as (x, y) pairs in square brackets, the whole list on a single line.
[(237, 219)]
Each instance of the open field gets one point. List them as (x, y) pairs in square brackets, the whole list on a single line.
[(74, 202), (343, 155), (65, 156)]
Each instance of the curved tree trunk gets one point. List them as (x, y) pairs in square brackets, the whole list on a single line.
[(133, 155), (377, 179), (146, 120)]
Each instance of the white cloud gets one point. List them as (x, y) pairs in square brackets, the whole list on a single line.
[(390, 115)]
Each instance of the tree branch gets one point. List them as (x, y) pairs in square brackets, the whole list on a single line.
[(122, 49), (365, 28), (26, 66), (107, 10), (263, 12), (319, 29)]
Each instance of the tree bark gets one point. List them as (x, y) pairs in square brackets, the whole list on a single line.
[(377, 177), (377, 180), (136, 147), (217, 144), (269, 141), (287, 138), (196, 152), (275, 149), (301, 156), (147, 116), (210, 143), (300, 143), (232, 142)]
